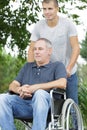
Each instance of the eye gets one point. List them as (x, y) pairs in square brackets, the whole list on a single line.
[(50, 8), (40, 48), (44, 9)]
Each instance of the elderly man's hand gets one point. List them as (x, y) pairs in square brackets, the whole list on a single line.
[(24, 91)]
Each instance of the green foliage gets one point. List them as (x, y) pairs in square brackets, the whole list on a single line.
[(19, 125), (84, 48), (83, 102), (82, 72), (9, 67), (13, 23)]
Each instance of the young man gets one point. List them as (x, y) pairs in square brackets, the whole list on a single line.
[(31, 88), (63, 35)]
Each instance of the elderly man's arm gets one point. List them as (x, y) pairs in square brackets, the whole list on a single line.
[(22, 91), (27, 90), (60, 83), (15, 87)]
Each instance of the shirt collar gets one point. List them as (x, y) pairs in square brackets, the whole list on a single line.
[(35, 65)]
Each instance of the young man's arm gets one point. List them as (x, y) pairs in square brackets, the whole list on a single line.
[(75, 53), (30, 52)]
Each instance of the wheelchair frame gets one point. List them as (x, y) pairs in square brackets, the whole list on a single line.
[(63, 120)]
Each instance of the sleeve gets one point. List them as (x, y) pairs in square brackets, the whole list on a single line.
[(20, 75), (71, 29), (60, 71), (35, 35)]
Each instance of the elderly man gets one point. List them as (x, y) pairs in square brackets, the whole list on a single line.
[(31, 87)]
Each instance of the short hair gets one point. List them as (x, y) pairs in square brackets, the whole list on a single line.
[(48, 1), (48, 42)]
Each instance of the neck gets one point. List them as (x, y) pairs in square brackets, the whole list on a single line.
[(42, 63), (53, 22)]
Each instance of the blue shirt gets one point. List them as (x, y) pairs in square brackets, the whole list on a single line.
[(32, 74)]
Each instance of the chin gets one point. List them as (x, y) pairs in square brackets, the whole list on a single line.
[(38, 60)]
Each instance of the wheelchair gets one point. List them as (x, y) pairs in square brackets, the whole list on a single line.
[(63, 115)]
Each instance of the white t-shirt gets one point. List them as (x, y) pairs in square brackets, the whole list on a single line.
[(59, 36)]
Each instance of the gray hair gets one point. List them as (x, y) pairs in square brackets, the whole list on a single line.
[(48, 42)]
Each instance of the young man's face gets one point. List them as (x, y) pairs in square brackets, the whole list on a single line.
[(41, 52), (50, 10)]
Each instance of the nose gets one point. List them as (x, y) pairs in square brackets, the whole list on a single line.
[(46, 10)]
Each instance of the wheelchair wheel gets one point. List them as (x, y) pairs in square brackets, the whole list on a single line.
[(71, 118)]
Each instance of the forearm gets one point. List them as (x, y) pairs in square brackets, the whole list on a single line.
[(75, 53), (60, 83), (30, 52), (74, 57), (15, 87)]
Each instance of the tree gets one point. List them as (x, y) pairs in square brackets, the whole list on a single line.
[(84, 48), (82, 72), (13, 22), (9, 67)]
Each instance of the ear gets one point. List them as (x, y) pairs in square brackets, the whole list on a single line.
[(50, 51)]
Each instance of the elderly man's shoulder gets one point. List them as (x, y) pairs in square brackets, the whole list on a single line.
[(29, 64), (58, 64)]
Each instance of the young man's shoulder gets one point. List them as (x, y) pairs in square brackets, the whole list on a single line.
[(67, 22), (65, 19), (41, 22)]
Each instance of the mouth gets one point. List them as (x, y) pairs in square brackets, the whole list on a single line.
[(48, 16), (37, 56)]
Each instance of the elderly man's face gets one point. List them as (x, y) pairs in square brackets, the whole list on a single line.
[(41, 52)]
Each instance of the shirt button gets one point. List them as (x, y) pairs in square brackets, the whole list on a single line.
[(38, 73)]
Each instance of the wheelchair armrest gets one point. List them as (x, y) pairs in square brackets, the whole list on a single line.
[(57, 94), (61, 93)]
